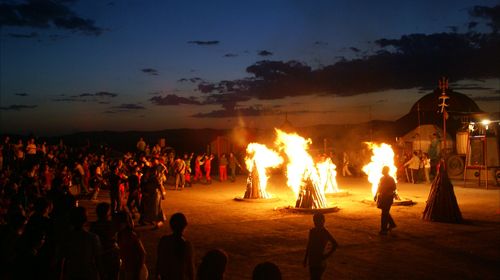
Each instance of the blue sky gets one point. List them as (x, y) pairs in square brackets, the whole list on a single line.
[(71, 66)]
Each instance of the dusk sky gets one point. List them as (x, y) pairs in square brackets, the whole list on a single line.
[(70, 66)]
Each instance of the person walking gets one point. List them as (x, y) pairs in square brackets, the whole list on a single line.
[(223, 168), (384, 198), (233, 162), (413, 164)]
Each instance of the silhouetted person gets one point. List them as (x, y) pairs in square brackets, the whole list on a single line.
[(106, 231), (212, 266), (315, 256), (80, 250), (385, 197), (132, 251), (175, 254), (266, 271)]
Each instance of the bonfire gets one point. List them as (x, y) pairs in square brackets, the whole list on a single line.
[(258, 161), (301, 172)]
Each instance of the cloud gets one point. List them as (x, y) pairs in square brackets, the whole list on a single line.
[(354, 49), (490, 14), (416, 60), (486, 98), (124, 108), (173, 99), (264, 53), (230, 55), (46, 14), (469, 87), (18, 107), (23, 35), (150, 71), (129, 106), (192, 80), (86, 97), (22, 94), (254, 111), (321, 43), (105, 94), (204, 43), (97, 94), (452, 28)]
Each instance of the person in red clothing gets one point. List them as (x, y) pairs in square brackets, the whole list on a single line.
[(208, 163), (223, 168), (198, 162)]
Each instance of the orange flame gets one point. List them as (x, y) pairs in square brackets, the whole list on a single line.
[(383, 155), (262, 158), (327, 175), (300, 167)]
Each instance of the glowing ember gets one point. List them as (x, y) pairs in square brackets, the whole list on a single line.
[(382, 155), (258, 160), (301, 171), (328, 175)]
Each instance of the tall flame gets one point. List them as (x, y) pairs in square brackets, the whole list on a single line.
[(261, 158), (301, 169), (327, 175), (383, 155)]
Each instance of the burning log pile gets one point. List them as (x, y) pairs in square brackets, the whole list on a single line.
[(310, 198), (309, 180), (253, 186)]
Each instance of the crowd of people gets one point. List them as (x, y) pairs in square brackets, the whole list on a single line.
[(43, 227)]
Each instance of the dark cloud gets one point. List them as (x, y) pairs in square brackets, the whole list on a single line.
[(494, 98), (129, 106), (472, 24), (227, 113), (192, 80), (204, 43), (230, 55), (490, 14), (452, 28), (354, 49), (97, 94), (23, 35), (46, 14), (321, 43), (56, 37), (254, 111), (68, 99), (173, 99), (18, 107), (150, 71), (86, 97), (469, 87), (22, 94), (105, 94), (415, 60), (264, 53)]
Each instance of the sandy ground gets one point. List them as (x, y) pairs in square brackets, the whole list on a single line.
[(253, 232)]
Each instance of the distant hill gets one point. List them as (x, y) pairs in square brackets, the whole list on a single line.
[(196, 140)]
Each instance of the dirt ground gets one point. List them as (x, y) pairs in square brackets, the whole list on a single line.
[(253, 232)]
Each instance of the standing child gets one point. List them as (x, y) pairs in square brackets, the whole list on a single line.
[(317, 250)]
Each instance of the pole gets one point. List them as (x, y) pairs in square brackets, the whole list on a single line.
[(419, 135)]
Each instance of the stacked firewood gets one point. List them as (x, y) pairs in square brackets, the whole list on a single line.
[(442, 204), (253, 186), (310, 197)]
